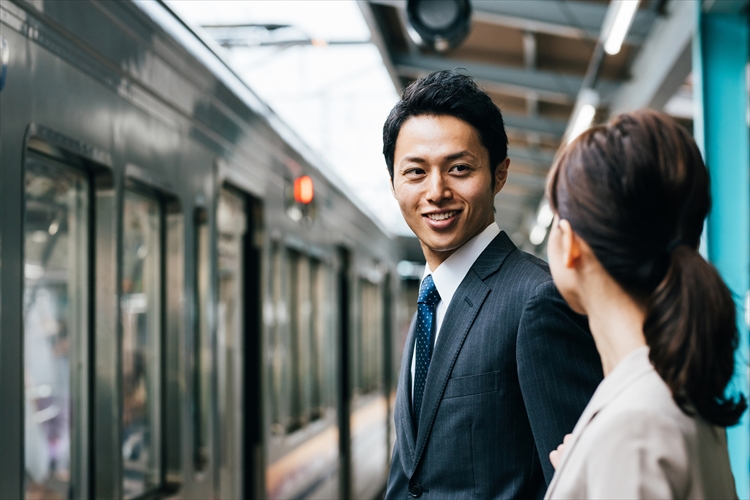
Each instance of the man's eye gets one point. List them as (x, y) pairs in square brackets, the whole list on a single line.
[(414, 171), (460, 168)]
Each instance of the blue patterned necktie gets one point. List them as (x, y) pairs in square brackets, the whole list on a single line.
[(428, 298)]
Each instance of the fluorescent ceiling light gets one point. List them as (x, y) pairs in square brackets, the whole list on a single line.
[(537, 235), (582, 121), (545, 215), (583, 113), (621, 19)]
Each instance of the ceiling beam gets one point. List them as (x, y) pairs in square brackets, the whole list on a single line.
[(663, 62), (567, 18), (377, 37), (572, 19), (532, 157), (550, 86), (529, 181), (536, 124)]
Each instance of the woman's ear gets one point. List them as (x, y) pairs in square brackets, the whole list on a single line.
[(571, 244)]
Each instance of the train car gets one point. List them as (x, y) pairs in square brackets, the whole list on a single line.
[(192, 306)]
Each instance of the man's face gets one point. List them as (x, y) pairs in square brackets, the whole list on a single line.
[(443, 183)]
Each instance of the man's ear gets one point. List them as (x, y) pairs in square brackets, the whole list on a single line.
[(501, 174), (571, 244)]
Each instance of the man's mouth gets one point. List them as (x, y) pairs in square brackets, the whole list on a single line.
[(442, 216)]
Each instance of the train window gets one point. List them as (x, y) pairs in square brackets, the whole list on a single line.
[(286, 343), (324, 337), (173, 372), (302, 342), (318, 334), (370, 350), (56, 328), (232, 225), (141, 343), (278, 366), (300, 319), (203, 350)]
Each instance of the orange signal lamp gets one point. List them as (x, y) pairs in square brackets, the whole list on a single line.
[(303, 190)]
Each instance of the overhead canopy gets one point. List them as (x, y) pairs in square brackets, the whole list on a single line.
[(532, 57)]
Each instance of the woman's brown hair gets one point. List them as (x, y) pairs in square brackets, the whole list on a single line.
[(637, 191)]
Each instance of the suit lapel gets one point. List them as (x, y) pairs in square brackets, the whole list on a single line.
[(403, 405), (456, 326), (463, 309)]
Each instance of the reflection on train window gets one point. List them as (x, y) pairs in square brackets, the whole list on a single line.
[(203, 362), (231, 219), (369, 344), (141, 344), (55, 306)]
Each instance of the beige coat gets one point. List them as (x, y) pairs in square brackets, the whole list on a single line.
[(633, 441)]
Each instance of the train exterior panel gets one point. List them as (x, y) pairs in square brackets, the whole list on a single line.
[(174, 323)]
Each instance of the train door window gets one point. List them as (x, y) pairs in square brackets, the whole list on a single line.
[(203, 349), (141, 343), (172, 353), (301, 327), (56, 328), (292, 342), (327, 326), (279, 365), (371, 331), (318, 355), (357, 341), (232, 226)]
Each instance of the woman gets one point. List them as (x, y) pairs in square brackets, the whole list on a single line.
[(629, 199)]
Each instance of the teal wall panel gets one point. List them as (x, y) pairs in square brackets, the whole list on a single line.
[(720, 58)]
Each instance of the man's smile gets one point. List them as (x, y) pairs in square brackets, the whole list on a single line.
[(439, 216)]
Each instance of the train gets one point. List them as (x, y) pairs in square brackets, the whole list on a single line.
[(192, 304)]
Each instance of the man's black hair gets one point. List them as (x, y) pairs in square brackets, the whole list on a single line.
[(454, 94)]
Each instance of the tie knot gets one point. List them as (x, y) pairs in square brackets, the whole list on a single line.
[(428, 293)]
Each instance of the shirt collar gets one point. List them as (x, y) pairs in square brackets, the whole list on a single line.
[(452, 271)]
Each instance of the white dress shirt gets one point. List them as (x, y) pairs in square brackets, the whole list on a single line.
[(449, 275)]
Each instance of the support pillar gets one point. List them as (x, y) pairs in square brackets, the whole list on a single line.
[(720, 59)]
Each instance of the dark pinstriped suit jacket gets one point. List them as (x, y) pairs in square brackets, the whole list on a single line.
[(511, 372)]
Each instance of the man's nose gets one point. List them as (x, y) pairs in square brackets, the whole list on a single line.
[(437, 186)]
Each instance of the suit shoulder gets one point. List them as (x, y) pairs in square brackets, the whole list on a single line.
[(525, 270)]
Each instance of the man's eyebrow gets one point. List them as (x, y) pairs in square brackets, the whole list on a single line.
[(450, 157), (460, 154), (412, 159)]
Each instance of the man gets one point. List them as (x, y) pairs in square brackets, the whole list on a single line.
[(496, 367)]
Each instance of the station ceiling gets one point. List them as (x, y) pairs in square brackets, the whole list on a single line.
[(532, 57)]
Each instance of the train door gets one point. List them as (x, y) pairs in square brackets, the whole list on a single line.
[(57, 324), (238, 345), (141, 344), (369, 408), (150, 344), (203, 410), (151, 341)]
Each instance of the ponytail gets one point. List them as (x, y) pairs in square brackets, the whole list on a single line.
[(691, 331)]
